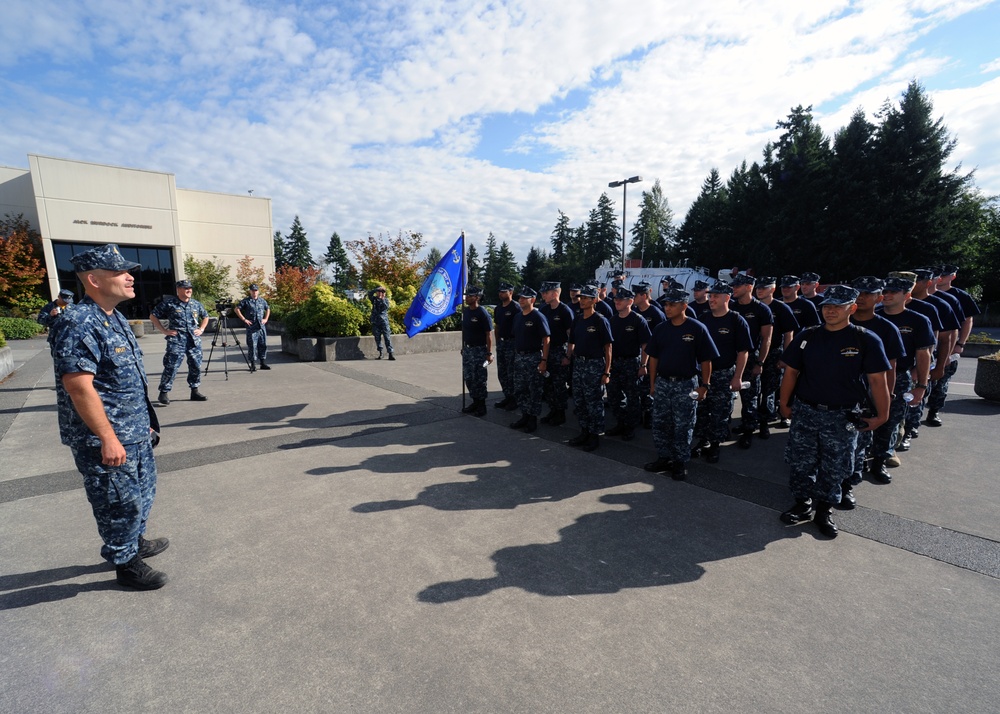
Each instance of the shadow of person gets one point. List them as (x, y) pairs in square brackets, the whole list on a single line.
[(16, 581), (662, 538), (52, 593)]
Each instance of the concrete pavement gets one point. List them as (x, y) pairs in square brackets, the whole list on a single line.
[(343, 539)]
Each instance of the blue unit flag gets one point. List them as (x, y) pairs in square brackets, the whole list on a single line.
[(441, 293)]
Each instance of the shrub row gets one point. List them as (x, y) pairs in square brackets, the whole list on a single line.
[(16, 328)]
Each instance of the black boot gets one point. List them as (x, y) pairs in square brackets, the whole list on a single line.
[(678, 471), (136, 574), (470, 408), (824, 520), (197, 396), (531, 425), (879, 472), (847, 499), (765, 431), (699, 448), (745, 440), (660, 465), (392, 357), (264, 365), (593, 441), (502, 404), (520, 423), (580, 439), (149, 548), (932, 418), (617, 430), (558, 417), (712, 453), (164, 398), (480, 410), (801, 512)]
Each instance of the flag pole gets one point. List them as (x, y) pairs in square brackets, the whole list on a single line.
[(465, 278)]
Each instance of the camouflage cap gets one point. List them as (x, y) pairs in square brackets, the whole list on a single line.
[(839, 295), (905, 274), (948, 269), (897, 285), (474, 290), (105, 257), (66, 295), (766, 281), (505, 288), (254, 286), (616, 283), (641, 288), (624, 294), (549, 285), (788, 281), (588, 291), (923, 274), (868, 284), (700, 285), (809, 277), (185, 283), (676, 295), (526, 292), (721, 287), (743, 279)]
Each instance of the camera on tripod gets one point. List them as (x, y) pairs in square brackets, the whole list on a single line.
[(224, 306)]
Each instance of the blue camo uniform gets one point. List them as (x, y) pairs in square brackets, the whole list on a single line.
[(758, 316), (731, 335), (62, 303), (895, 351), (531, 337), (631, 334), (560, 319), (89, 340), (503, 323), (185, 318), (917, 335), (970, 309), (254, 310), (476, 327), (914, 411), (590, 335), (830, 366), (770, 372), (675, 353), (381, 330), (939, 389)]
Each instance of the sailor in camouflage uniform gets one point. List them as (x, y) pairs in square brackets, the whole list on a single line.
[(503, 334), (628, 365), (477, 349), (680, 365), (590, 351), (188, 320), (824, 367), (53, 310), (531, 355), (105, 416), (254, 311), (560, 318), (380, 320)]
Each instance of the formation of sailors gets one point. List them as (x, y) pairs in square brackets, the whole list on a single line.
[(850, 371)]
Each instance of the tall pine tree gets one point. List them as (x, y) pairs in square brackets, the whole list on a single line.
[(297, 253), (654, 233), (339, 265)]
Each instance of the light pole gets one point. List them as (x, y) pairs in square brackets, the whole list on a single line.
[(624, 184)]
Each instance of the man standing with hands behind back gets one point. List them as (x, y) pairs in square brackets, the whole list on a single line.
[(105, 416), (255, 312), (188, 320)]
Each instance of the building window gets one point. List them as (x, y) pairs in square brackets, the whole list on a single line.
[(153, 279)]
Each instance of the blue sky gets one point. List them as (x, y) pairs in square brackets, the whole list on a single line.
[(380, 116)]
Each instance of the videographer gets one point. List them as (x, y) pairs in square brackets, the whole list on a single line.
[(188, 320), (255, 312)]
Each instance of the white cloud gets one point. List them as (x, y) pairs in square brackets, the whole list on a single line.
[(366, 116)]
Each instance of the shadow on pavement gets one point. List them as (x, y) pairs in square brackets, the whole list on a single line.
[(657, 540), (36, 587)]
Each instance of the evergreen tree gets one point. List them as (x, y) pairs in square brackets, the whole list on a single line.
[(472, 266), (537, 268), (296, 251), (854, 204), (702, 236), (654, 234), (507, 266), (341, 270), (279, 251), (431, 261), (603, 236), (745, 238), (918, 196), (562, 235)]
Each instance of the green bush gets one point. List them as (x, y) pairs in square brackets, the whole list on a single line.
[(16, 328), (325, 314), (3, 342)]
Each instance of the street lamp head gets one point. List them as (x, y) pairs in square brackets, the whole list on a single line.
[(635, 179), (615, 184)]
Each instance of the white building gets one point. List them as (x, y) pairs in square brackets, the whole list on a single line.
[(75, 205)]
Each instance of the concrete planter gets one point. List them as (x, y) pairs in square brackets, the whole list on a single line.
[(979, 349), (987, 383), (6, 362), (331, 349), (138, 327)]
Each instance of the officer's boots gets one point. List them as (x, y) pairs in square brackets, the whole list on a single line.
[(801, 512), (197, 396), (136, 574), (392, 357), (933, 419), (531, 425), (264, 365), (593, 441), (712, 453), (678, 471), (164, 398), (469, 409), (521, 423), (480, 408), (745, 440), (824, 519), (580, 439), (879, 472)]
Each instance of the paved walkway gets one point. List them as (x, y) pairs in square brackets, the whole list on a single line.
[(343, 539)]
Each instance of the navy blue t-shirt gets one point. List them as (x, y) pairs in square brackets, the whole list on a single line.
[(731, 335), (969, 306), (653, 315), (892, 341), (915, 331), (757, 315), (953, 303), (806, 313), (784, 321), (949, 321), (560, 321), (679, 349), (700, 308), (590, 335), (832, 364), (603, 309), (529, 331), (476, 324), (630, 333), (927, 310), (503, 316)]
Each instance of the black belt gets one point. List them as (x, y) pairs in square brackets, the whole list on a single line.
[(584, 359), (530, 352), (475, 345), (675, 379), (506, 339), (829, 407)]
